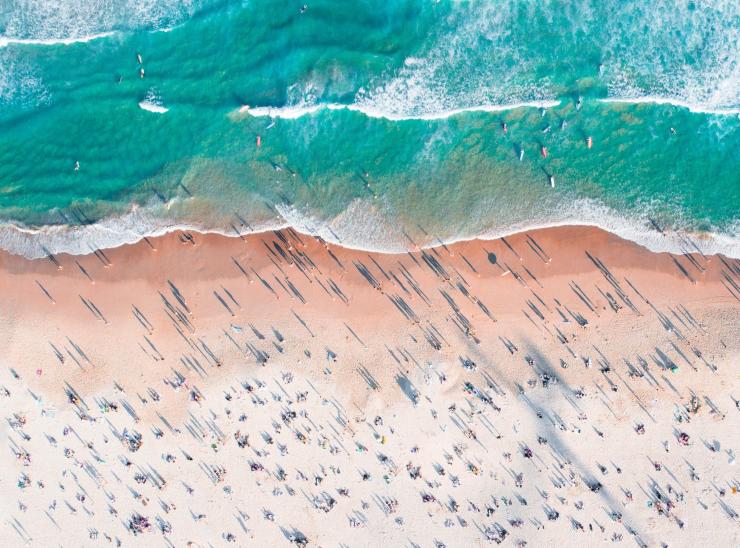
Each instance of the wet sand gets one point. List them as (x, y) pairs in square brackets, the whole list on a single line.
[(559, 385)]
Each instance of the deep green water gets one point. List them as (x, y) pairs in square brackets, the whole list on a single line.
[(420, 153)]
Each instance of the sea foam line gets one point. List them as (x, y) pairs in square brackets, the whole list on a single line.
[(293, 112), (299, 111), (6, 41)]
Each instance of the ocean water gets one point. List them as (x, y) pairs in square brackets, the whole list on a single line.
[(377, 124)]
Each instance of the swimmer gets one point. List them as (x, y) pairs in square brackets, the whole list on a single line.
[(141, 72), (304, 8), (77, 166), (259, 141), (504, 128), (543, 151)]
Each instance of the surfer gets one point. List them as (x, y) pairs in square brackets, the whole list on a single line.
[(543, 151), (504, 128), (141, 72), (552, 181), (579, 102), (589, 142), (77, 165), (138, 58), (521, 153), (259, 141)]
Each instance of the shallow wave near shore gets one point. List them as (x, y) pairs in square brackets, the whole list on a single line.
[(372, 233)]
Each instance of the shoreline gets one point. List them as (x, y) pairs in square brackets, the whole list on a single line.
[(45, 240)]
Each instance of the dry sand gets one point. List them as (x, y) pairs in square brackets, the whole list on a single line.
[(261, 389)]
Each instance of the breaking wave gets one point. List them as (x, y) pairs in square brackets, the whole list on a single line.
[(361, 226)]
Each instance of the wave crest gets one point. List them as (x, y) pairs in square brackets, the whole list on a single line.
[(298, 111)]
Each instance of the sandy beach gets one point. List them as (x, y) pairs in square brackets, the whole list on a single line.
[(553, 387)]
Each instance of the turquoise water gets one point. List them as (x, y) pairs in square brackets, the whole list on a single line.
[(419, 150)]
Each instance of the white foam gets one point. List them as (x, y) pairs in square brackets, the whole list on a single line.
[(153, 103), (298, 111), (6, 41), (441, 115), (287, 113), (153, 107)]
